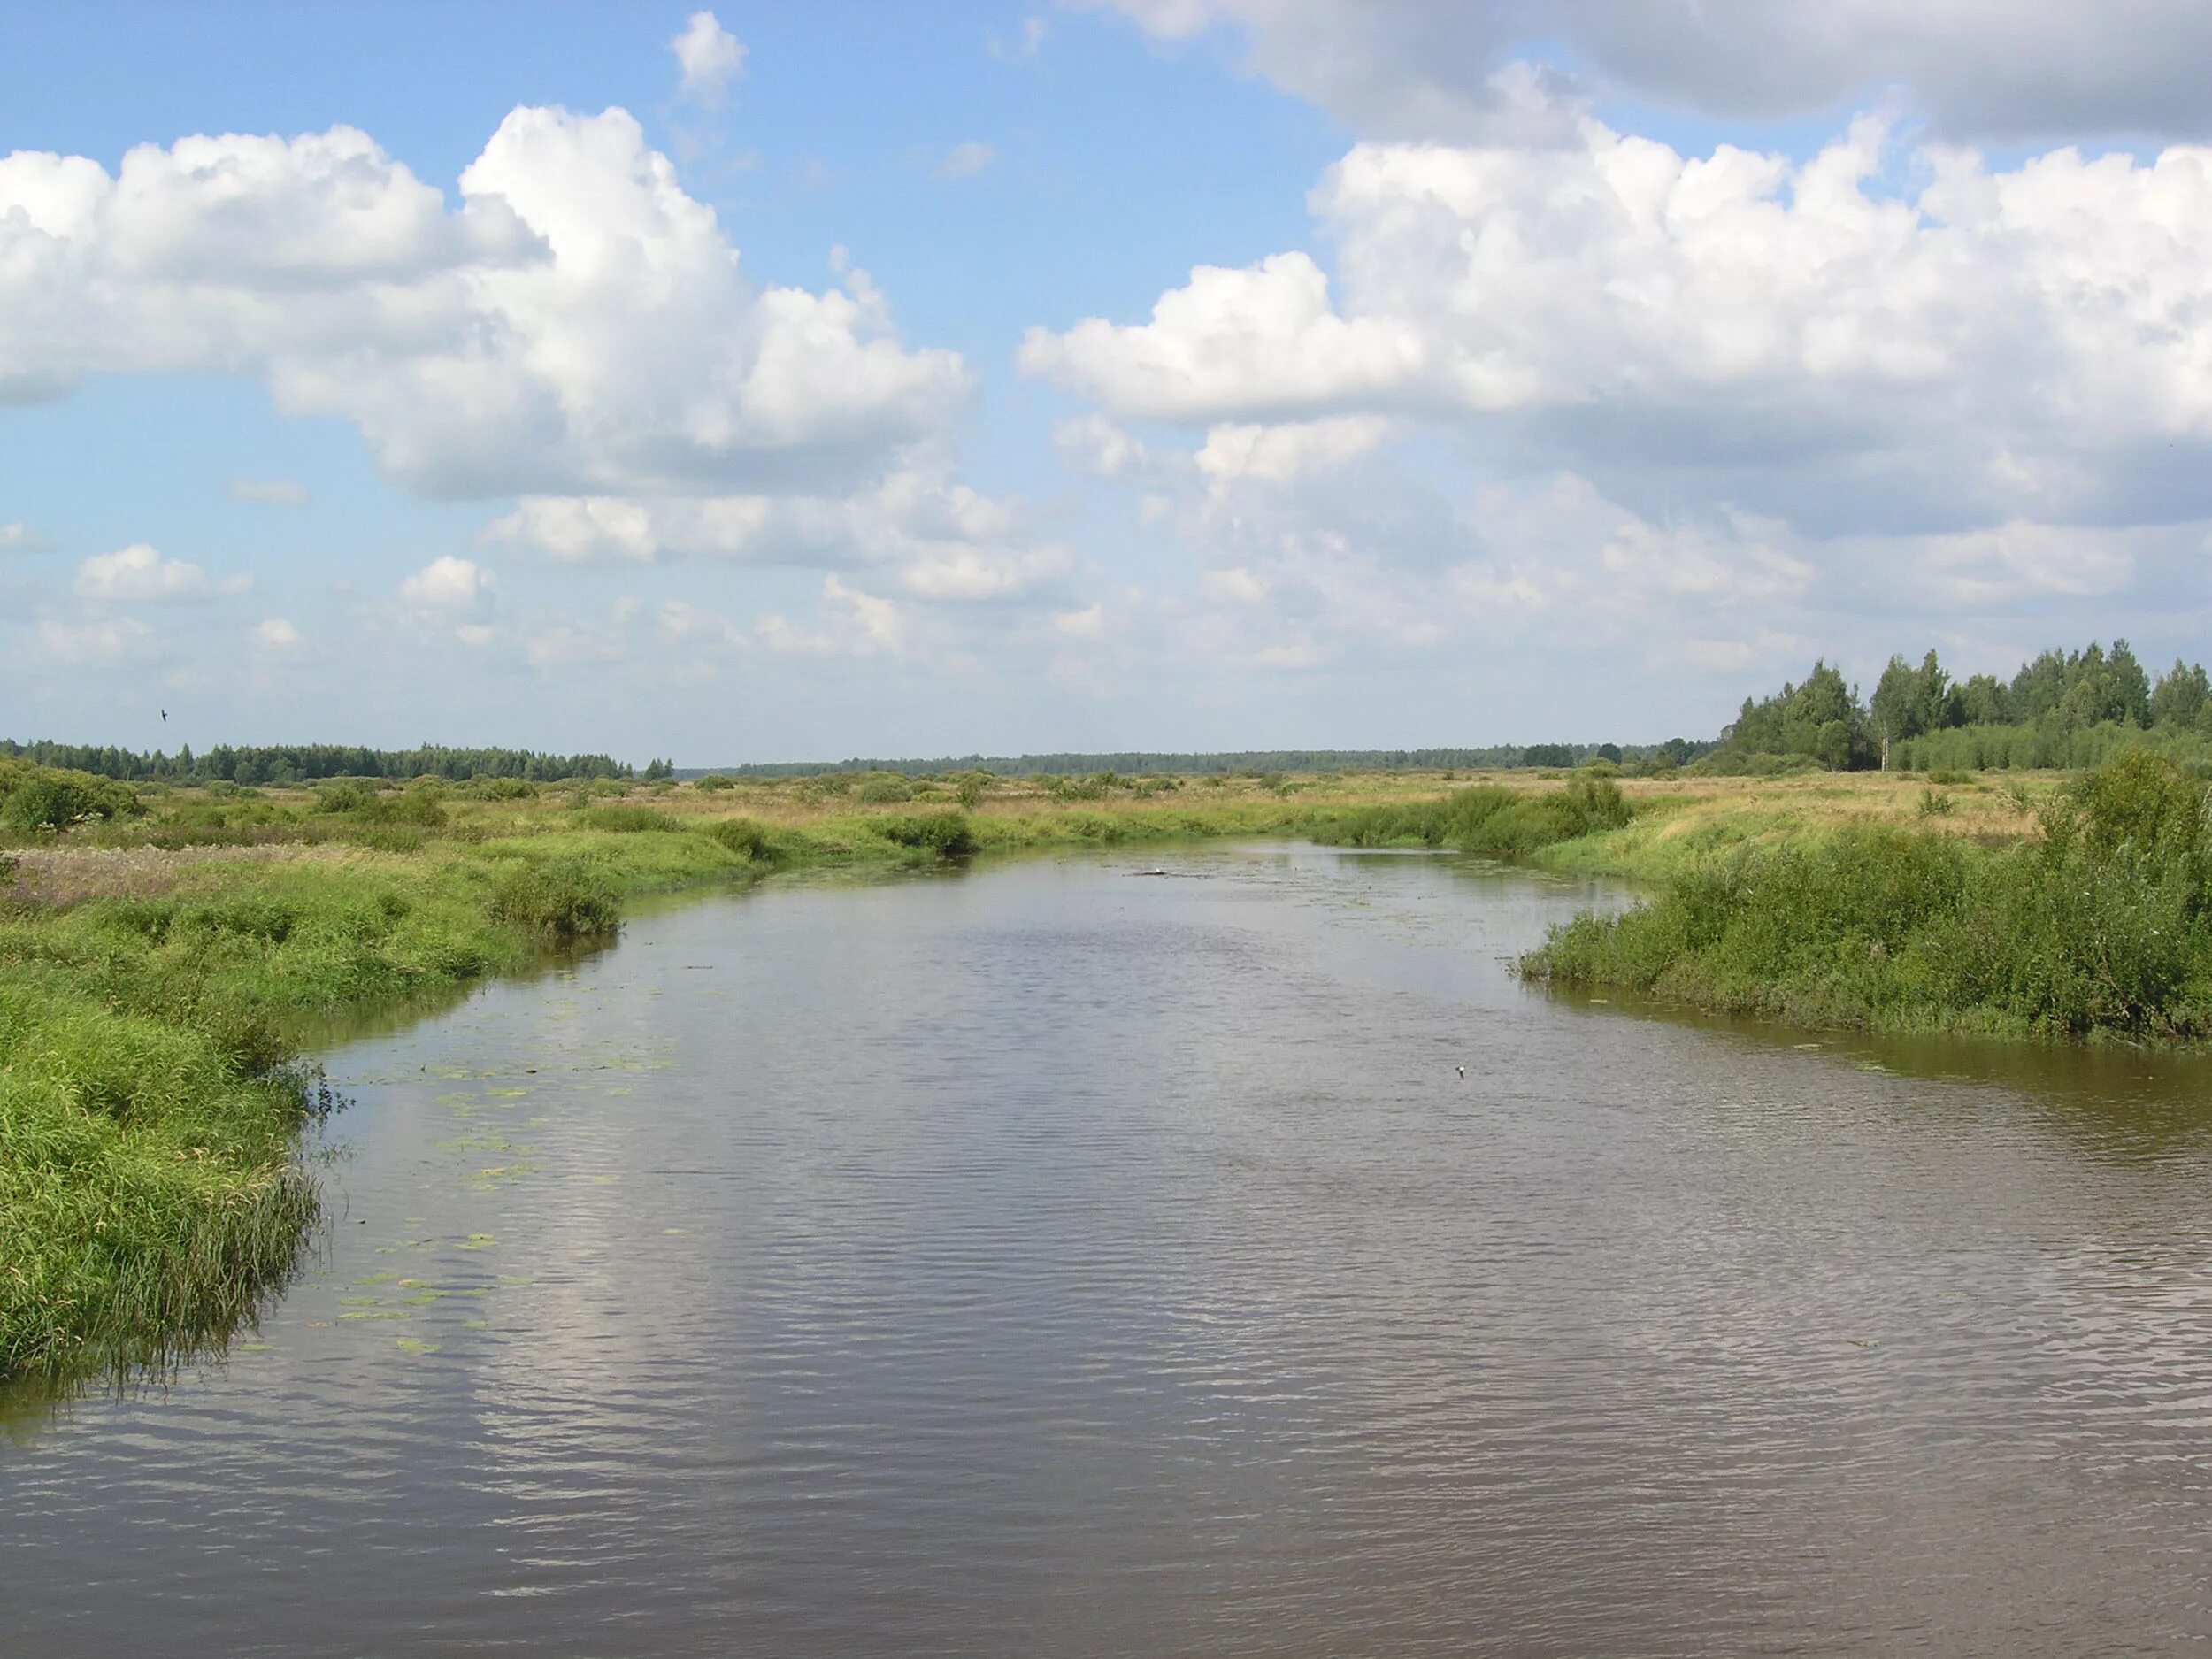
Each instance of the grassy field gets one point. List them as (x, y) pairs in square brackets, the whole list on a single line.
[(165, 954)]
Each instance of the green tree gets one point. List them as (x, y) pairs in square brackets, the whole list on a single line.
[(2180, 694), (2127, 687)]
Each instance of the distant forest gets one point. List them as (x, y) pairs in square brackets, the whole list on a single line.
[(1676, 751), (305, 763), (2063, 709)]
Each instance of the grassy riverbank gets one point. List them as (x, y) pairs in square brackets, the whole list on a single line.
[(2094, 922)]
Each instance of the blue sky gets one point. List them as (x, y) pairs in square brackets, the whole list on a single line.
[(1521, 404)]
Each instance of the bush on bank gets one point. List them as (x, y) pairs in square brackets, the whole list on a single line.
[(1488, 819), (2101, 927)]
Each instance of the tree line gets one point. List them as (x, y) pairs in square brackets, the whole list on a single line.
[(306, 763), (2061, 709), (1501, 756)]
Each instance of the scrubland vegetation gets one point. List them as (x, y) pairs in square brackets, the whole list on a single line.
[(2098, 924)]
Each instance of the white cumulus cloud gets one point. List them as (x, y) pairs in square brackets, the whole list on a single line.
[(2031, 341), (277, 636), (579, 323), (447, 587), (937, 538), (138, 574), (852, 624), (708, 57)]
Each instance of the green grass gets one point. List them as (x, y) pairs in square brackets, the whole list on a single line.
[(2099, 929), (1488, 819)]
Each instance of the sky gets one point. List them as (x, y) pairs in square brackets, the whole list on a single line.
[(787, 381)]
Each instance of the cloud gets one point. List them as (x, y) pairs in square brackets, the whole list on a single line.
[(1440, 69), (1023, 48), (139, 575), (1991, 344), (937, 538), (689, 625), (275, 492), (109, 640), (1087, 623), (567, 644), (1283, 453), (448, 588), (579, 324), (964, 161), (1246, 341), (18, 537), (853, 623), (708, 58), (277, 636), (1105, 450)]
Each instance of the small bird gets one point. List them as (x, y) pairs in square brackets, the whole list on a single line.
[(165, 716), (1462, 1072)]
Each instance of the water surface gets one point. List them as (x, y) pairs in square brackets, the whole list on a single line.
[(1058, 1260)]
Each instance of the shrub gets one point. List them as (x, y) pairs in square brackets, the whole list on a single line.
[(879, 788), (39, 798), (746, 837), (714, 781), (502, 789), (417, 807), (1489, 818), (344, 797), (2104, 926), (940, 834), (560, 902), (631, 820)]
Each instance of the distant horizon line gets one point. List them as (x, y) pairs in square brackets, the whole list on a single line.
[(1439, 756)]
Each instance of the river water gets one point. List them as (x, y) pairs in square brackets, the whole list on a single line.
[(1054, 1259)]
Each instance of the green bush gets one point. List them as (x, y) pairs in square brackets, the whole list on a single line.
[(344, 797), (940, 834), (880, 788), (560, 902), (35, 798), (631, 820), (746, 837), (502, 789), (417, 807), (2104, 926), (1486, 818), (714, 781)]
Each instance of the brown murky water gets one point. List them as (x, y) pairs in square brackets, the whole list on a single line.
[(1054, 1260)]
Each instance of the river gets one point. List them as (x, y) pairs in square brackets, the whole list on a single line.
[(1058, 1259)]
